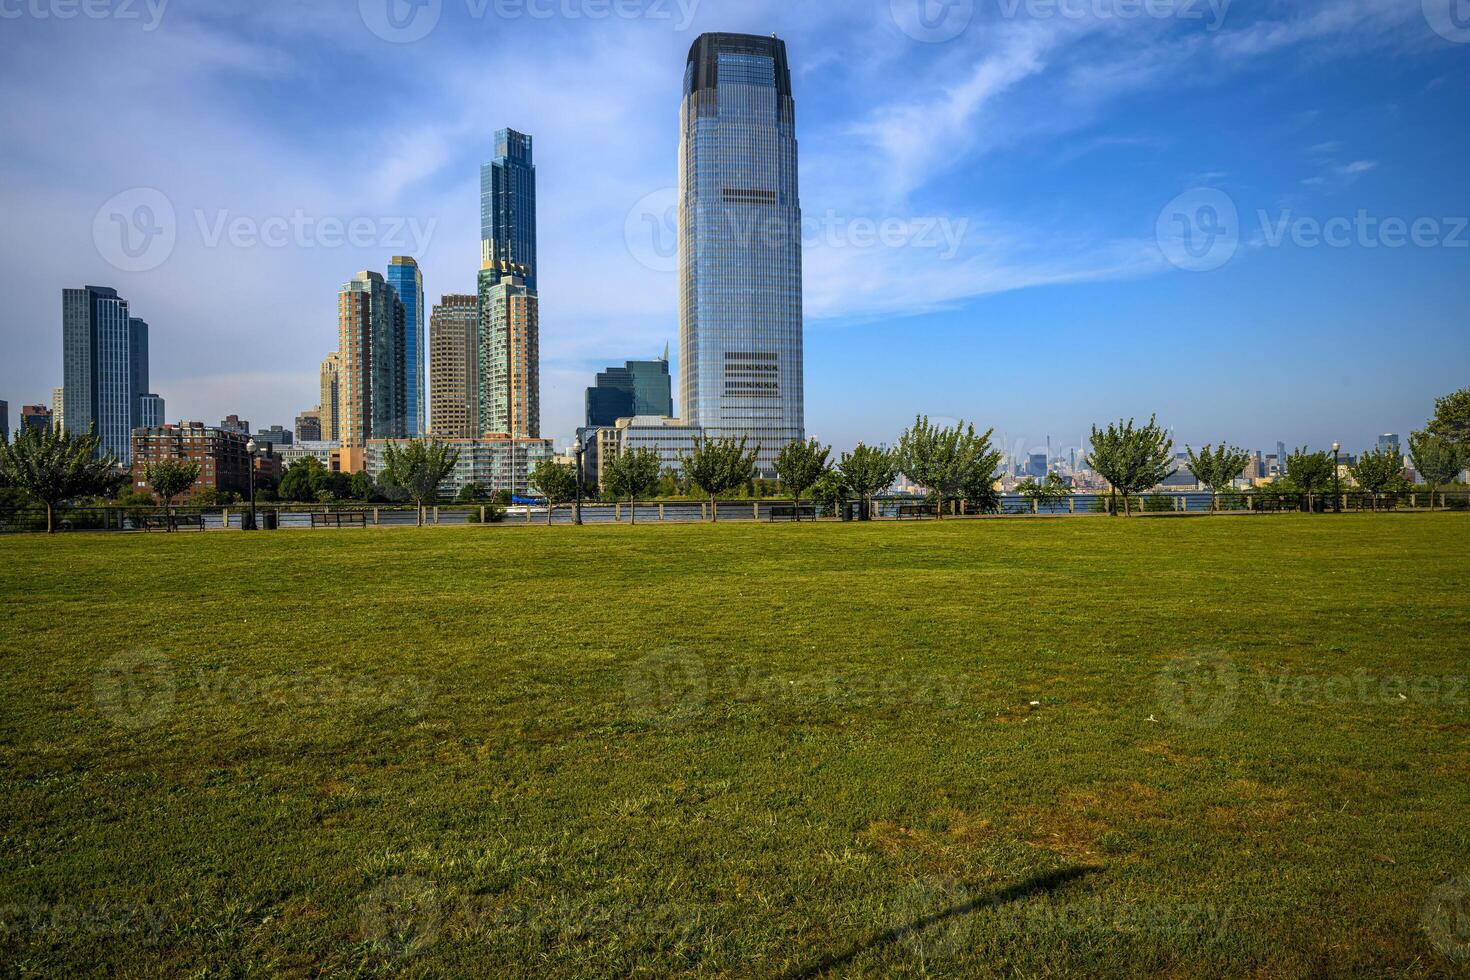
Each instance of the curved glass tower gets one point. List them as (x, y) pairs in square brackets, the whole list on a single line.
[(740, 326)]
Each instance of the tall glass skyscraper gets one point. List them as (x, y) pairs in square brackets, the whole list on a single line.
[(508, 206), (740, 316), (104, 367), (404, 276)]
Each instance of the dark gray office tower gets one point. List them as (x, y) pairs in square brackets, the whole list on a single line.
[(508, 207), (740, 316), (636, 388), (104, 354)]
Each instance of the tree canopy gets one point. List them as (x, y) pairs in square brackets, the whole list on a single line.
[(1218, 468), (867, 472), (420, 468), (945, 460), (52, 466), (800, 465), (1438, 460), (718, 466), (554, 481), (1132, 458), (631, 474)]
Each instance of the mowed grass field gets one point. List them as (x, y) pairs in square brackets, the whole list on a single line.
[(1234, 746)]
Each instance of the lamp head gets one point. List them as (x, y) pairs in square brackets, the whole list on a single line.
[(250, 447), (1336, 446)]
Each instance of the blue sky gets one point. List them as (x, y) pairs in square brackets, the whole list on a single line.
[(1018, 211)]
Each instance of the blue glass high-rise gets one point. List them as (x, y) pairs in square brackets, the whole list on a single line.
[(406, 279), (740, 315), (508, 206)]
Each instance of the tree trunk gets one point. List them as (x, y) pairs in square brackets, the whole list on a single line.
[(632, 510), (714, 510), (798, 508), (549, 508), (419, 515), (1214, 501), (50, 525)]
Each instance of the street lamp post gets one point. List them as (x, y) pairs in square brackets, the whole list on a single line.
[(250, 448), (577, 514), (1336, 480)]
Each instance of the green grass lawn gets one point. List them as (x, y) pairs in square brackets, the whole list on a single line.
[(1152, 747)]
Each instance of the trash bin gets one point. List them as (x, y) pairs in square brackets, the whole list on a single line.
[(271, 520)]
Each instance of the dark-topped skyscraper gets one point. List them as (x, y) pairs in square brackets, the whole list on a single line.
[(508, 207), (636, 388), (104, 368), (740, 316)]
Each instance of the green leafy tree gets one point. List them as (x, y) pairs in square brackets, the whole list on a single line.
[(1132, 458), (420, 468), (831, 492), (944, 460), (868, 471), (303, 480), (1378, 471), (800, 465), (169, 478), (360, 487), (1452, 418), (554, 481), (1438, 460), (52, 467), (1310, 473), (469, 493), (718, 466), (1049, 492), (631, 474), (1217, 468)]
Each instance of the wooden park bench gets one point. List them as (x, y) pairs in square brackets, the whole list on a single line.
[(350, 518), (789, 512), (165, 522), (917, 511)]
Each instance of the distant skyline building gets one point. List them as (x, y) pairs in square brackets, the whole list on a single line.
[(224, 465), (235, 424), (4, 420), (740, 290), (150, 411), (454, 367), (58, 409), (406, 278), (1390, 441), (509, 357), (508, 206), (331, 395), (34, 417), (308, 426), (104, 367), (636, 388), (372, 399)]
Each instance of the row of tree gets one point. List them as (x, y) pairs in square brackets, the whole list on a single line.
[(951, 463)]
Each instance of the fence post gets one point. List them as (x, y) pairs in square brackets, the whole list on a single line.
[(755, 509), (617, 511), (482, 515), (702, 515), (1071, 504), (660, 511), (226, 517), (1035, 505)]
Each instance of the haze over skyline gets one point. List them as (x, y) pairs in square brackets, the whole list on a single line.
[(989, 199)]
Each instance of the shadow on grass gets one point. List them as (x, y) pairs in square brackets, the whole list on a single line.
[(1038, 885)]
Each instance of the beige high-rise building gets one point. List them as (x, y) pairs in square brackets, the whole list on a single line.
[(58, 409), (331, 381), (454, 367), (510, 373)]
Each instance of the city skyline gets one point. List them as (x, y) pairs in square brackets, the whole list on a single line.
[(1306, 344)]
